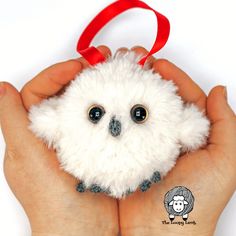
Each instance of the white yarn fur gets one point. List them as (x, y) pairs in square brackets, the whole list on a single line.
[(90, 153)]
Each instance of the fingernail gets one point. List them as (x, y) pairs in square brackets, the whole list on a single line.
[(2, 89), (225, 93)]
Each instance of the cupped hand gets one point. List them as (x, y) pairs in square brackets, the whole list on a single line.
[(46, 192), (210, 173)]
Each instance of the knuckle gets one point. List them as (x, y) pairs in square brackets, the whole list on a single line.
[(73, 65), (11, 154), (9, 162), (6, 84), (162, 63), (104, 49), (139, 49), (9, 86)]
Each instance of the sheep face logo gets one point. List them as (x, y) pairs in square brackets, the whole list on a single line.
[(179, 201)]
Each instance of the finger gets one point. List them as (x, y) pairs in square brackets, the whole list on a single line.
[(122, 50), (53, 79), (187, 88), (13, 116), (103, 49), (223, 119), (49, 82), (142, 51)]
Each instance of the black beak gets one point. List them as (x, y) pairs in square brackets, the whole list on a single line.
[(115, 127)]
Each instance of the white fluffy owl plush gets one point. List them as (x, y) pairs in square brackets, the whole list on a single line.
[(118, 127)]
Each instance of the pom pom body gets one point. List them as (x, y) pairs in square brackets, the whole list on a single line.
[(116, 153)]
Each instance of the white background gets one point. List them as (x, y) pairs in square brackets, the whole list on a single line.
[(35, 34)]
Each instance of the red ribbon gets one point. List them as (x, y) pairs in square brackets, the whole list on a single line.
[(93, 56)]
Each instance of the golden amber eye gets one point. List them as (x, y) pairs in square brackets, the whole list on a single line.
[(95, 113), (139, 114)]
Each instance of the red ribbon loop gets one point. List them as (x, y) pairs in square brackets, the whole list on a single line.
[(94, 56)]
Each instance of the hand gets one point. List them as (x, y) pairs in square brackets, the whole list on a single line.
[(209, 173), (141, 213), (47, 193)]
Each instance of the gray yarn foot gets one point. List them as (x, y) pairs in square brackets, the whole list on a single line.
[(145, 185), (81, 187), (156, 177), (95, 188)]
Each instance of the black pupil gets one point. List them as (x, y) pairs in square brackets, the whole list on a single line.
[(95, 114), (139, 114)]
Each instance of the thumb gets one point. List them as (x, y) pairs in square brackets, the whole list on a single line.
[(13, 116), (222, 117)]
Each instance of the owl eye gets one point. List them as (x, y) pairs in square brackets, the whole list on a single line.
[(95, 113), (139, 114)]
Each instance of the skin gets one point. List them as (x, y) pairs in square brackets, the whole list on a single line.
[(48, 194), (209, 173)]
